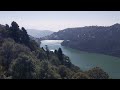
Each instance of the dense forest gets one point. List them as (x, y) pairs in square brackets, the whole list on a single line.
[(97, 39), (22, 58)]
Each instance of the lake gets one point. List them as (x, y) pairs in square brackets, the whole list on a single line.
[(85, 60)]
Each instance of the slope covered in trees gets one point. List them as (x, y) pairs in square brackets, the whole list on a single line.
[(22, 58), (97, 39)]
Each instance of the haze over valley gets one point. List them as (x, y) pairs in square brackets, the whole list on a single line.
[(39, 33)]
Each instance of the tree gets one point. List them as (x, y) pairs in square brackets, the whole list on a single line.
[(10, 50), (47, 52), (14, 31), (54, 60), (42, 49), (40, 54), (55, 51), (65, 72), (33, 45), (7, 52), (3, 32), (7, 27), (19, 48), (80, 75), (24, 36), (7, 31), (60, 55), (97, 73), (48, 71), (19, 35), (2, 73), (23, 67)]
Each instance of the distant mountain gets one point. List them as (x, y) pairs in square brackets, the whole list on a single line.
[(39, 33), (97, 39)]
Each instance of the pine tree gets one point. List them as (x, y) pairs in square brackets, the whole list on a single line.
[(14, 31), (60, 55), (47, 52), (24, 37)]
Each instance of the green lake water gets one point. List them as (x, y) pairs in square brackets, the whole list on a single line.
[(86, 60)]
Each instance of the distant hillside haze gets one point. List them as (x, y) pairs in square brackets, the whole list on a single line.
[(97, 39), (39, 33)]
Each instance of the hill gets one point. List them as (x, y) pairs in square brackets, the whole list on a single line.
[(38, 33), (97, 39), (22, 58)]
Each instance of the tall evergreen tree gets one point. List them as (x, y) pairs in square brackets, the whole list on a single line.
[(7, 27), (14, 29), (24, 37), (60, 55), (55, 51), (47, 52)]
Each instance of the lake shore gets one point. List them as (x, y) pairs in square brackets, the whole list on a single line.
[(87, 60)]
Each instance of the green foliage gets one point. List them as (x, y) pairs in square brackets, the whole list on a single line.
[(10, 50), (42, 49), (48, 71), (60, 55), (21, 58), (7, 27), (55, 51), (65, 72), (47, 52), (6, 52), (97, 73), (14, 31), (23, 67), (74, 68), (24, 36), (40, 54), (54, 60), (33, 45), (18, 48), (80, 75), (66, 61), (3, 32), (2, 73)]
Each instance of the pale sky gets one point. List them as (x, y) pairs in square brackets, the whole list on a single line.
[(58, 20)]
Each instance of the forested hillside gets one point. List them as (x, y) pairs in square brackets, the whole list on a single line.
[(97, 39), (22, 58)]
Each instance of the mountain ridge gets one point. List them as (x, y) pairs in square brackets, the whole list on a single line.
[(97, 39), (39, 33)]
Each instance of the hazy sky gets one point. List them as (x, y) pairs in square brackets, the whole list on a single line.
[(58, 20)]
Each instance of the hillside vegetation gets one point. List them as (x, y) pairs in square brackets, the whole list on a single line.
[(97, 39), (22, 58)]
